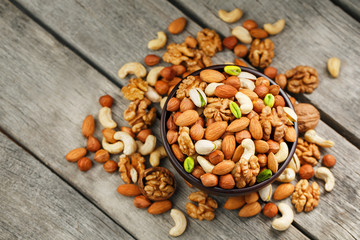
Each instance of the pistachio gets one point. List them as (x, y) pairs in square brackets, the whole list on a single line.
[(232, 70), (247, 75), (189, 164), (264, 175), (269, 100), (265, 193), (290, 114), (198, 97), (235, 109), (204, 147)]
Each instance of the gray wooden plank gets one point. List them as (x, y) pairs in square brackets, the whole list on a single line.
[(46, 92), (37, 204), (352, 7)]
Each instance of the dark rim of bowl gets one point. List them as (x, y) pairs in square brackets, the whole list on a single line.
[(218, 190)]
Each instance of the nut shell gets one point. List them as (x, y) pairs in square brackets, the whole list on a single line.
[(307, 116)]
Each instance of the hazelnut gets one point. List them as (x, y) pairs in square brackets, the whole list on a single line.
[(240, 50), (173, 83), (106, 101), (93, 144), (152, 60), (329, 160), (190, 42), (168, 73), (262, 81), (197, 132), (227, 181), (258, 105), (262, 158), (240, 62), (270, 72), (84, 164), (209, 180), (173, 104), (198, 171), (279, 101), (273, 146), (170, 124), (108, 134), (161, 87), (261, 90), (110, 166), (176, 115), (233, 81), (127, 130), (274, 90), (270, 210), (186, 104), (230, 42), (172, 136), (216, 157), (250, 24), (101, 156), (239, 136), (200, 121), (179, 69), (281, 80), (143, 134), (306, 171)]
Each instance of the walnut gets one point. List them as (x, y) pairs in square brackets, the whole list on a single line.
[(218, 109), (302, 79), (138, 116), (200, 60), (261, 53), (130, 171), (124, 168), (185, 142), (246, 172), (209, 41), (274, 119), (204, 210), (308, 153), (187, 84), (159, 185), (138, 162), (135, 89), (305, 196), (307, 116)]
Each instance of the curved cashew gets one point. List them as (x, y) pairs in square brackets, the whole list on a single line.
[(129, 142), (247, 83), (205, 164), (147, 147), (162, 102), (246, 104), (249, 148), (152, 95), (294, 163), (153, 75), (274, 28), (159, 42), (113, 148), (204, 147), (232, 16), (247, 75), (265, 193), (105, 118), (312, 137), (218, 144), (156, 155), (210, 88), (287, 175), (325, 174), (283, 152), (180, 223), (242, 34), (284, 222), (132, 68)]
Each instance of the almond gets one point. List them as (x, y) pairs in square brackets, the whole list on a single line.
[(141, 202), (251, 94), (177, 26), (227, 181), (228, 146), (233, 81), (290, 134), (179, 69), (75, 154), (130, 190), (127, 130), (106, 101), (255, 129), (215, 130), (159, 207), (216, 156), (172, 136), (233, 203), (258, 33), (240, 62), (152, 60), (283, 191), (237, 154), (108, 134), (187, 118), (225, 91), (261, 146), (209, 180), (88, 126), (186, 104), (250, 24), (170, 124), (252, 197), (143, 134), (250, 210), (272, 163), (210, 76), (101, 156), (238, 125), (273, 146), (224, 167), (197, 132), (93, 144), (177, 152)]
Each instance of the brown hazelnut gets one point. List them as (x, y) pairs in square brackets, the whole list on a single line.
[(84, 164), (250, 24), (198, 171), (306, 171), (270, 72), (110, 166), (190, 42), (197, 132), (239, 136), (240, 50), (230, 42), (173, 83), (152, 60), (172, 136), (227, 181), (262, 158), (167, 73), (161, 87), (270, 210), (261, 90), (127, 130), (281, 80), (216, 157), (101, 156), (93, 144), (143, 134), (106, 101), (209, 180), (233, 81), (262, 81), (258, 105), (186, 104), (274, 89), (279, 101), (273, 146), (173, 104), (329, 160), (179, 69)]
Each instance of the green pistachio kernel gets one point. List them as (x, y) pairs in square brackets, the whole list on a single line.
[(235, 109), (269, 100), (232, 70), (202, 100), (189, 164), (264, 175)]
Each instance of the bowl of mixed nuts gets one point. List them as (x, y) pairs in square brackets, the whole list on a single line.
[(229, 130)]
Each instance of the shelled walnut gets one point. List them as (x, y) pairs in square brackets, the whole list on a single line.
[(135, 89), (302, 79), (245, 171), (305, 197), (130, 170), (261, 53), (308, 153), (138, 116), (187, 84), (209, 41), (205, 209), (218, 109)]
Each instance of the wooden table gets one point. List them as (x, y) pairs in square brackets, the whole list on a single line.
[(58, 57)]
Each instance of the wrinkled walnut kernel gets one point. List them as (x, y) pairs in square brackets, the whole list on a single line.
[(204, 210), (308, 153), (159, 184), (261, 53), (138, 116), (218, 109), (209, 41), (135, 89), (302, 79), (305, 196)]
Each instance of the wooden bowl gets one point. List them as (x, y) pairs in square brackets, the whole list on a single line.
[(142, 182), (217, 190)]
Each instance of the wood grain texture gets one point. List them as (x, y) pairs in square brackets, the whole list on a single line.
[(47, 91), (37, 204), (352, 7)]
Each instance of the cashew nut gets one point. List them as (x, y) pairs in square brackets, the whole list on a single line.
[(247, 75), (147, 147), (162, 102), (156, 155), (105, 118), (325, 174), (249, 148), (287, 175), (129, 142), (294, 163), (247, 83), (290, 114), (159, 42), (210, 88), (204, 147), (205, 164), (283, 152), (242, 34), (312, 137), (265, 193), (153, 75), (284, 222), (180, 223), (333, 66), (152, 95), (132, 68), (232, 16), (113, 148), (133, 174), (274, 28), (246, 104)]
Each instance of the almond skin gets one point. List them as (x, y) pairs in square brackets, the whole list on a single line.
[(250, 24), (172, 136), (261, 146), (258, 33), (75, 154), (152, 60), (225, 91), (237, 154), (177, 152), (233, 81), (238, 125), (227, 181), (143, 134), (216, 156), (250, 210), (211, 76), (197, 132), (160, 207), (283, 191), (128, 130), (108, 134), (177, 26), (224, 167), (141, 202), (187, 118), (173, 104), (186, 104), (252, 197), (272, 164), (273, 146), (228, 146), (251, 94), (233, 203), (209, 180), (93, 144), (130, 190), (88, 126), (255, 129), (290, 134), (215, 130)]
